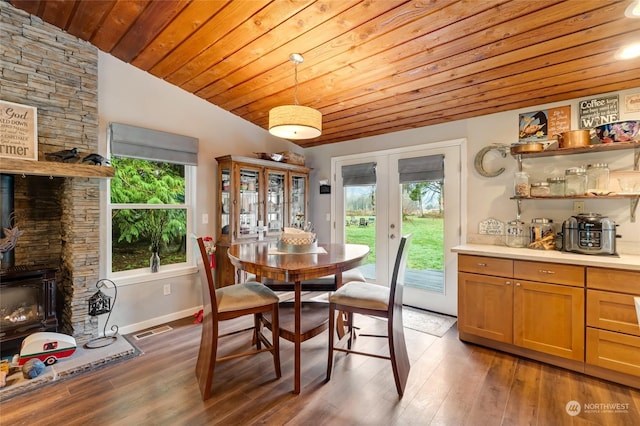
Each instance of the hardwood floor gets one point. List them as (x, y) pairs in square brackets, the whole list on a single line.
[(450, 383)]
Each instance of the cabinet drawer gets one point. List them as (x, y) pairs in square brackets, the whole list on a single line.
[(549, 272), (485, 265), (614, 280), (612, 311), (615, 351)]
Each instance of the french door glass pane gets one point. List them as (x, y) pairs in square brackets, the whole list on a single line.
[(360, 215), (423, 216)]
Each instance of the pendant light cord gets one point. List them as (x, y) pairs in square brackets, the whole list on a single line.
[(295, 89)]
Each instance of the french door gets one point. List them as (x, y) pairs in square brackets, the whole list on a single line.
[(383, 195)]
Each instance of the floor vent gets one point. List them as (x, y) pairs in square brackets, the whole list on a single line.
[(152, 332)]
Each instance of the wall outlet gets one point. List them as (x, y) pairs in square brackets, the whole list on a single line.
[(578, 207), (205, 218), (166, 289)]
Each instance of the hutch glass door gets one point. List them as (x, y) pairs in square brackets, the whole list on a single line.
[(225, 201), (276, 202), (298, 207), (249, 203)]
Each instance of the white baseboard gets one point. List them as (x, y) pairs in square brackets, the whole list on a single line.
[(132, 328)]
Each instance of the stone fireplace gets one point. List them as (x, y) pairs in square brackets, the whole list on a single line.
[(44, 67)]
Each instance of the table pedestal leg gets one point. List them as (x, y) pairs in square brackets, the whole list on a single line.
[(298, 338)]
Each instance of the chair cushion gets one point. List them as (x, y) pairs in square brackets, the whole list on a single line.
[(244, 296), (362, 295)]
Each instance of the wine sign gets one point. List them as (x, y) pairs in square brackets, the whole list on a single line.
[(597, 111), (18, 131)]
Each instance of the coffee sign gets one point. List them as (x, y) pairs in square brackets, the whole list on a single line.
[(597, 111), (18, 131)]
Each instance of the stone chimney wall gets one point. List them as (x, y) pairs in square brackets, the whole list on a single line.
[(44, 67)]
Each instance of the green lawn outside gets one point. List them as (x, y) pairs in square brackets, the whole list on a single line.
[(426, 247)]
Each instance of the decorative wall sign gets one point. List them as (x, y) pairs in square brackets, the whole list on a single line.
[(491, 227), (559, 120), (597, 111), (632, 103), (18, 131), (533, 126)]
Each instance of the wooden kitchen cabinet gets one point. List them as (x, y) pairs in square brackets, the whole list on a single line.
[(549, 318), (253, 193), (613, 333), (535, 309), (485, 306)]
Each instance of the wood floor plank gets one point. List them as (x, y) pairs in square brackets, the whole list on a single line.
[(450, 382), (522, 405)]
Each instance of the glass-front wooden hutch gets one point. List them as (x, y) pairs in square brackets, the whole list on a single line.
[(255, 195)]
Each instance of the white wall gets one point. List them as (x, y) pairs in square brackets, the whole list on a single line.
[(489, 197), (131, 96)]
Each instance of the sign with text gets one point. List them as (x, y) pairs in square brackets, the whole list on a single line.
[(559, 120), (597, 111), (18, 131), (632, 102)]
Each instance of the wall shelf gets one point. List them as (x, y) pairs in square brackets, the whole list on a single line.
[(54, 169), (633, 203), (635, 145)]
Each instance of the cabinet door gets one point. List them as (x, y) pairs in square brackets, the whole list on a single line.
[(275, 216), (225, 203), (549, 318), (298, 196), (485, 306), (249, 204)]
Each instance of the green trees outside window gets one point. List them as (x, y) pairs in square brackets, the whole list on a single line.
[(148, 213)]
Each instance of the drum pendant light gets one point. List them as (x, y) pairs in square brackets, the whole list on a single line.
[(295, 121)]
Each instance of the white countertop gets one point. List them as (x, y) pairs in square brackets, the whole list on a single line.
[(623, 261)]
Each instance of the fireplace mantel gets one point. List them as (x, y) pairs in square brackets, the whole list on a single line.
[(52, 168)]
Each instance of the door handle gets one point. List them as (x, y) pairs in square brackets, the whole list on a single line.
[(392, 236), (392, 226)]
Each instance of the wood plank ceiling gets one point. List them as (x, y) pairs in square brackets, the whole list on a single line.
[(371, 67)]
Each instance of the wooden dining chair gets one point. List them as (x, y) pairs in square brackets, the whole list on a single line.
[(227, 303), (378, 301)]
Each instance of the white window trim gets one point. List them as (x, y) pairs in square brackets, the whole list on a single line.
[(141, 275)]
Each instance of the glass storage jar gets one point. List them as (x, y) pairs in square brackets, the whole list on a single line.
[(521, 184), (556, 186), (540, 189), (575, 182), (598, 178), (516, 234), (542, 236)]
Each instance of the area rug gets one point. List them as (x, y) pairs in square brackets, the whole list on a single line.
[(417, 319), (81, 361), (426, 321)]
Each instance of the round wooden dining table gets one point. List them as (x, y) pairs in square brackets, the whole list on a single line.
[(309, 318)]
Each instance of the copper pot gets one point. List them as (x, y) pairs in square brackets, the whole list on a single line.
[(574, 138), (527, 147)]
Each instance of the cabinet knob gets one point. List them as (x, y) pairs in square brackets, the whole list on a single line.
[(545, 271), (507, 282), (482, 264), (517, 284)]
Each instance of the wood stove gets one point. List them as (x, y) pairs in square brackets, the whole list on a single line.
[(27, 304)]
